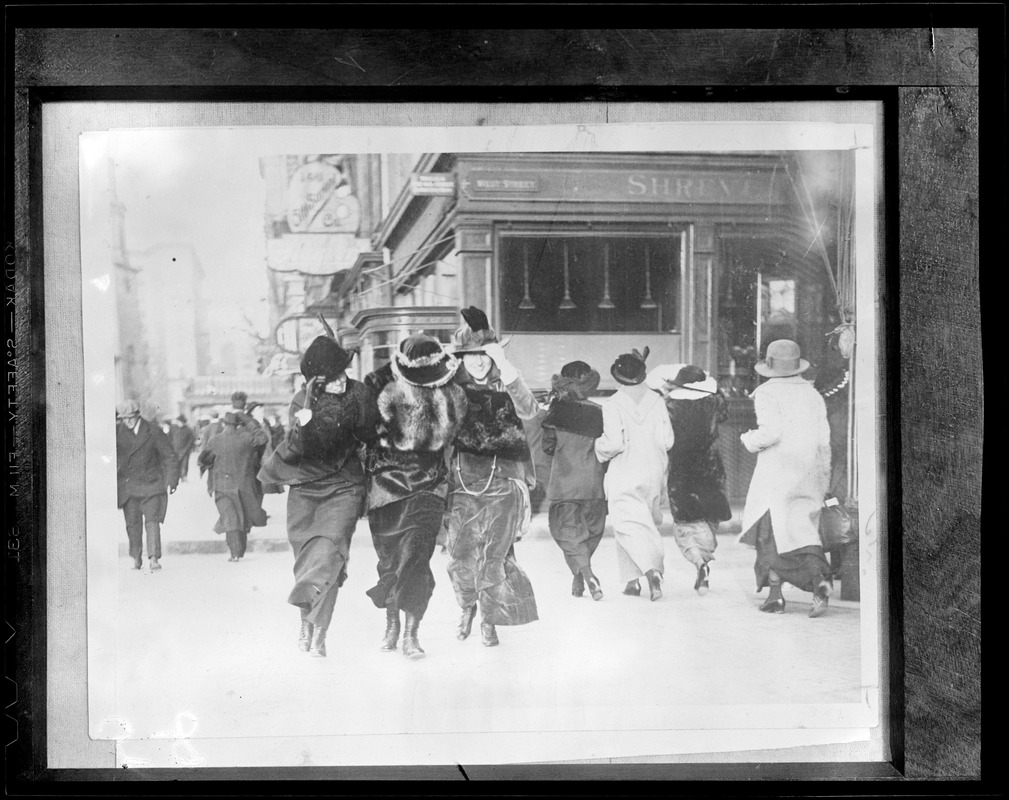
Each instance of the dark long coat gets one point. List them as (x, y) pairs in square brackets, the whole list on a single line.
[(233, 459), (146, 464)]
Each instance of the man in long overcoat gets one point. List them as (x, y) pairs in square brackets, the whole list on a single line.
[(233, 459), (183, 440), (146, 471)]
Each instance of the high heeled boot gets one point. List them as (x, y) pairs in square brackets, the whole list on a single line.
[(775, 602), (305, 637), (318, 647), (654, 578), (592, 583), (633, 588), (466, 622), (488, 633), (411, 647), (391, 629)]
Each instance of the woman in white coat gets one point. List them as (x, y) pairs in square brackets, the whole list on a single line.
[(637, 436), (781, 519)]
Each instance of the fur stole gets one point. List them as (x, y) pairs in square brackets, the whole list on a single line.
[(492, 428), (337, 422), (418, 418)]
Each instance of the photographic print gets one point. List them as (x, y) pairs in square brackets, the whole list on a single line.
[(484, 444)]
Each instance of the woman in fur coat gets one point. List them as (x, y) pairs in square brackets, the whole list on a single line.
[(696, 474), (330, 419), (419, 412), (577, 515), (781, 519), (490, 475), (636, 438)]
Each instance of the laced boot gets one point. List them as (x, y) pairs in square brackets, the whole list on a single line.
[(577, 585), (466, 623), (775, 602), (592, 583), (411, 647), (488, 633), (391, 629), (654, 584), (305, 637), (318, 646)]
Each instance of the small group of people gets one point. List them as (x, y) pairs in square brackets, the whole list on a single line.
[(435, 440)]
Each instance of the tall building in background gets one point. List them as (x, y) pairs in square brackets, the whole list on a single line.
[(170, 278)]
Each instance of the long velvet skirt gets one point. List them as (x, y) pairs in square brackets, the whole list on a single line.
[(577, 526), (321, 518), (804, 568), (404, 534), (481, 537)]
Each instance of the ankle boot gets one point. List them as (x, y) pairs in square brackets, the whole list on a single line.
[(820, 595), (411, 647), (391, 629), (701, 584), (155, 564), (592, 583), (578, 585), (305, 637), (318, 647), (633, 588), (488, 633), (654, 584), (466, 623), (775, 602)]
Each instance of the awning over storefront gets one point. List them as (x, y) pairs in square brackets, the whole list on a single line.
[(314, 253)]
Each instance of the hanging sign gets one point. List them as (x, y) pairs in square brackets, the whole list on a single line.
[(319, 200), (439, 184)]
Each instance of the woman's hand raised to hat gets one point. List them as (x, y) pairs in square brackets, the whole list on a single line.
[(495, 351)]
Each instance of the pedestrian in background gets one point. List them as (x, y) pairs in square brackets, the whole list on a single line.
[(331, 418), (146, 473), (233, 456), (183, 440), (781, 518), (419, 412), (490, 476), (577, 515), (696, 474), (637, 437)]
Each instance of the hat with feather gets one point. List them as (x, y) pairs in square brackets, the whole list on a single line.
[(629, 368), (325, 358), (474, 333), (422, 361)]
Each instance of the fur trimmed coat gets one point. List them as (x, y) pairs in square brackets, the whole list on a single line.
[(416, 424)]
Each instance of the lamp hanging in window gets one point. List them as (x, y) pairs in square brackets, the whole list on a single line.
[(567, 303), (527, 303), (607, 301), (648, 302)]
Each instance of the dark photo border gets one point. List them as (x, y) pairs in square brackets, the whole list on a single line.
[(935, 88)]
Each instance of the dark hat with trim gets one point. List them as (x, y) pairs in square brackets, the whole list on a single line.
[(474, 333), (231, 418), (325, 359), (629, 368), (422, 361)]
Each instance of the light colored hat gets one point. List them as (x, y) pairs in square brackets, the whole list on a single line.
[(127, 409), (782, 360)]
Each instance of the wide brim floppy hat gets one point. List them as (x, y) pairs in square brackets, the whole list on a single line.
[(127, 409), (421, 360), (629, 368), (682, 381), (325, 359), (782, 360)]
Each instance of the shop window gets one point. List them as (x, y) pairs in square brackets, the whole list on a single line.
[(625, 284)]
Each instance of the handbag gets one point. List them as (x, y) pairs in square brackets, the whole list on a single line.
[(837, 528)]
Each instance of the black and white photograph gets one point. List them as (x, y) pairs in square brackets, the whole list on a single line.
[(503, 444)]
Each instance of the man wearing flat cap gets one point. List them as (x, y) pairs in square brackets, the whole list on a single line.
[(146, 471)]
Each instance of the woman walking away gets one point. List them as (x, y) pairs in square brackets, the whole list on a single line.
[(577, 515), (696, 475), (419, 412), (781, 519), (636, 438), (490, 475), (330, 419)]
